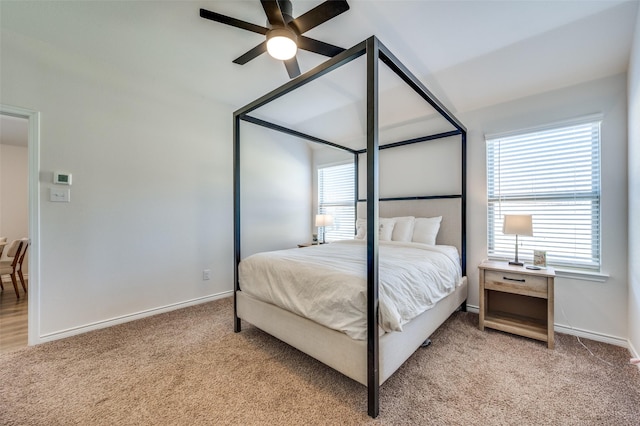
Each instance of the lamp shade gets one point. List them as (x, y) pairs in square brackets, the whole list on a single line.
[(281, 43), (517, 224), (324, 220)]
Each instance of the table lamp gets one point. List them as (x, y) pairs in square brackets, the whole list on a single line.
[(323, 220), (517, 224)]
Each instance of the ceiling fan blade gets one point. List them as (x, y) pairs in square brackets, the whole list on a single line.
[(293, 69), (319, 47), (273, 12), (319, 14), (252, 54), (207, 14)]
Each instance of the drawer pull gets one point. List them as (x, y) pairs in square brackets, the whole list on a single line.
[(514, 279)]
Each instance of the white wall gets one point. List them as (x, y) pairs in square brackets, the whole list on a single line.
[(151, 196), (275, 190), (14, 203), (151, 201), (428, 168), (598, 309), (634, 193)]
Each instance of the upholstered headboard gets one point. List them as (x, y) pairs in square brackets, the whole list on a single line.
[(449, 208)]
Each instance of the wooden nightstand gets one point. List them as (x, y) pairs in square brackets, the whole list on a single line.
[(517, 300)]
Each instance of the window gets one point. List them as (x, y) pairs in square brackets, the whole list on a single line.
[(553, 174), (336, 197)]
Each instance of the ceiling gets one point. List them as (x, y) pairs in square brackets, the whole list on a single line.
[(469, 53)]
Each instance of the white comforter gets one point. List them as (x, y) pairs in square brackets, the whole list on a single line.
[(328, 283)]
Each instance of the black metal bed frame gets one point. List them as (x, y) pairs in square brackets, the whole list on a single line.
[(375, 52)]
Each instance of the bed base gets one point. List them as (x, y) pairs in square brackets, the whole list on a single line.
[(339, 351)]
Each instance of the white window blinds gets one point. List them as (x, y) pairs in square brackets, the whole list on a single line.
[(553, 174), (336, 197)]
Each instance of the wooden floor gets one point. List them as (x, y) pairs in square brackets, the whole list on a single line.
[(13, 318)]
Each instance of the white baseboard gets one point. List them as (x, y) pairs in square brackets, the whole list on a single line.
[(130, 317), (473, 309), (634, 352), (591, 335), (598, 337)]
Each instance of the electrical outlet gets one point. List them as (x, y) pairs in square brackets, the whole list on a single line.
[(206, 274)]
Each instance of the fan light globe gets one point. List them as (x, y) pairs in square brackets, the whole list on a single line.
[(281, 44)]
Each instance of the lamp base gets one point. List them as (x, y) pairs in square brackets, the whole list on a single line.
[(516, 263)]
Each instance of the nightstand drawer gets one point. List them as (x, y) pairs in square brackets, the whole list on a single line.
[(511, 282)]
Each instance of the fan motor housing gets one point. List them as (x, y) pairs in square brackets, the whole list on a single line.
[(286, 8)]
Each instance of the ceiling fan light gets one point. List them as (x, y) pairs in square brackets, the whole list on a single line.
[(281, 44)]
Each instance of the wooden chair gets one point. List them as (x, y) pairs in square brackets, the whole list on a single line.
[(9, 264), (3, 242), (25, 246)]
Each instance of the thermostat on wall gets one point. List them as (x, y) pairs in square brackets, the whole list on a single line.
[(62, 178)]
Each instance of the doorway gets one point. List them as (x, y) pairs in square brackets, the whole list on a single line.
[(19, 169)]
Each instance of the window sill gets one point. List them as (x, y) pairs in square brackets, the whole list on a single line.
[(572, 273), (582, 275)]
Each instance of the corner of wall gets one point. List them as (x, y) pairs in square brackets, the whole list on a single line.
[(633, 111)]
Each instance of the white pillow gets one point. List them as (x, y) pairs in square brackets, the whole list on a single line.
[(385, 229), (403, 229), (425, 230)]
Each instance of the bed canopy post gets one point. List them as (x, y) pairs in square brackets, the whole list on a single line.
[(356, 187), (373, 372), (237, 327), (463, 207)]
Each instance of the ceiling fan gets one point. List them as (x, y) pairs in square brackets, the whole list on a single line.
[(284, 33)]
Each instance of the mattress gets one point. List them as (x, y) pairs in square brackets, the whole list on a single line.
[(328, 283)]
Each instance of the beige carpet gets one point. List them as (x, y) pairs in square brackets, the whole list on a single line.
[(188, 368)]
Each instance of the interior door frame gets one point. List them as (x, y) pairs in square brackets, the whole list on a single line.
[(34, 216)]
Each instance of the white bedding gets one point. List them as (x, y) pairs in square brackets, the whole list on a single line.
[(327, 283)]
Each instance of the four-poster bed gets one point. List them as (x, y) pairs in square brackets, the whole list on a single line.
[(384, 352)]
